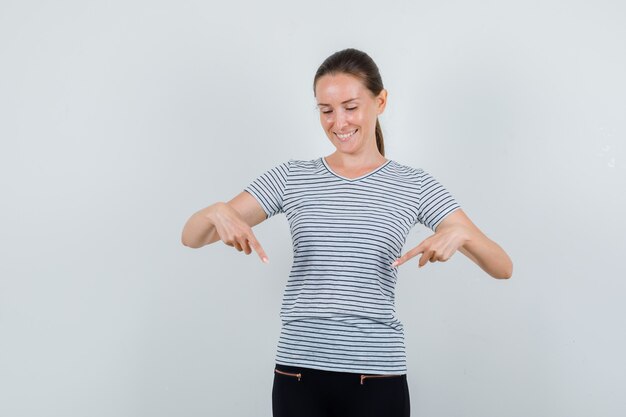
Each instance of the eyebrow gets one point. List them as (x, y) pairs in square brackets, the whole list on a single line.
[(343, 102)]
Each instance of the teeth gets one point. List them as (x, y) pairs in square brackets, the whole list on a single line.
[(347, 135)]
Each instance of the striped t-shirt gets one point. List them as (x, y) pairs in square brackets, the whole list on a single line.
[(338, 311)]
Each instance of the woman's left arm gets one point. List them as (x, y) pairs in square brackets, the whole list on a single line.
[(458, 232)]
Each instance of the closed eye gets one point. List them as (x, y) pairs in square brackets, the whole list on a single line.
[(330, 111)]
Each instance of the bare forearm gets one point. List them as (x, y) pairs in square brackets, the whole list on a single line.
[(488, 255), (199, 229)]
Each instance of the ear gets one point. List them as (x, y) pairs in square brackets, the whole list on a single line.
[(381, 99)]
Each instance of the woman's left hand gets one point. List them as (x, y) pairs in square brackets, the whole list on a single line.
[(438, 247)]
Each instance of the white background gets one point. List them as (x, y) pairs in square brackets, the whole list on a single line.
[(118, 120)]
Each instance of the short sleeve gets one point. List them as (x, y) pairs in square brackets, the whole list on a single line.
[(269, 188), (435, 201)]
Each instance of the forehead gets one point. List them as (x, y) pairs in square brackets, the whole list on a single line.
[(337, 88)]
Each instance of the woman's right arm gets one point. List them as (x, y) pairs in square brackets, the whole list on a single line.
[(230, 222)]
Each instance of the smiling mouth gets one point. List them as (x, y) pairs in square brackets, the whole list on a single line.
[(346, 136)]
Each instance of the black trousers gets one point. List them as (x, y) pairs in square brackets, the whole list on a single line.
[(307, 392)]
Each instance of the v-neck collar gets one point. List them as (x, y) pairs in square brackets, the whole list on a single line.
[(357, 178)]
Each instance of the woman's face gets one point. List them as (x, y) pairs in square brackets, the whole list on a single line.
[(348, 111)]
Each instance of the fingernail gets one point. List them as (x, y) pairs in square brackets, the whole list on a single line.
[(267, 261), (395, 263)]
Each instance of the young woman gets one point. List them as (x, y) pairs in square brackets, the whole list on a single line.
[(341, 349)]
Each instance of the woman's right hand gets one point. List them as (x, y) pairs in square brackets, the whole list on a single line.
[(233, 230)]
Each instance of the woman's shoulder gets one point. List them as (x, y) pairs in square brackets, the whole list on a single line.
[(405, 169), (293, 162), (304, 164)]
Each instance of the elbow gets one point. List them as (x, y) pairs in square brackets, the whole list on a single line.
[(187, 243), (504, 273)]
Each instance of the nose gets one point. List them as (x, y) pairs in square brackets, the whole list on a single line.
[(340, 120)]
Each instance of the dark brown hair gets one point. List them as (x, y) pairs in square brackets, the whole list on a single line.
[(360, 65)]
